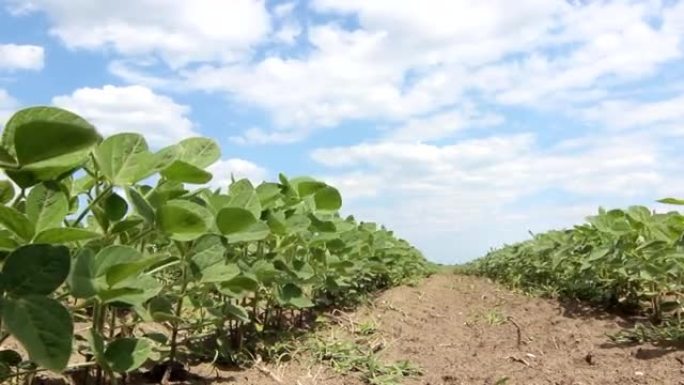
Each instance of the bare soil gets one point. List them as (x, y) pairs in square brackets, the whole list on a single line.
[(467, 330)]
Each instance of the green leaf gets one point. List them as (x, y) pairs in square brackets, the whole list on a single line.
[(102, 274), (256, 232), (6, 191), (16, 222), (180, 171), (141, 205), (672, 201), (293, 295), (125, 159), (65, 235), (127, 354), (231, 220), (208, 260), (184, 220), (97, 346), (44, 328), (199, 152), (36, 269), (46, 207), (236, 312), (81, 279), (65, 142), (328, 198), (115, 207), (10, 357)]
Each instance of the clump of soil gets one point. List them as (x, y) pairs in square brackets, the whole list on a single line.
[(464, 330)]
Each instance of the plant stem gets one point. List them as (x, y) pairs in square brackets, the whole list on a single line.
[(92, 204), (179, 303)]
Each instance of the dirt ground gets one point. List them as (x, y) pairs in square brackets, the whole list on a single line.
[(464, 330), (457, 330)]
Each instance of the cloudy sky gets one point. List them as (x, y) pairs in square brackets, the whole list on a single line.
[(461, 124)]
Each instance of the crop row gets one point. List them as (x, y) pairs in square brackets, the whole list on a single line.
[(106, 233), (631, 259)]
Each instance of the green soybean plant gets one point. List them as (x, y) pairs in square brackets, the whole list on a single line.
[(161, 268), (632, 259)]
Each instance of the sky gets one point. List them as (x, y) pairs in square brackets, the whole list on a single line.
[(460, 124)]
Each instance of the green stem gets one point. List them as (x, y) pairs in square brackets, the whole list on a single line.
[(92, 204), (179, 303)]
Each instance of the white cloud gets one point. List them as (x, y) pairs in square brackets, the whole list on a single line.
[(409, 59), (224, 169), (256, 135), (138, 109), (7, 106), (179, 31), (21, 57), (442, 125), (621, 114), (289, 32), (474, 185)]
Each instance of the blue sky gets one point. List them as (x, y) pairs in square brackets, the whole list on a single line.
[(460, 124)]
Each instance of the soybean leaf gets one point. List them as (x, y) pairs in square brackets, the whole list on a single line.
[(672, 201), (141, 205), (16, 222), (231, 220), (10, 357), (65, 235), (115, 207), (328, 198), (184, 220), (6, 191), (256, 232), (293, 295), (44, 328), (125, 159), (97, 346), (36, 269), (180, 171), (193, 155), (46, 206), (65, 142), (199, 152), (236, 312), (127, 354)]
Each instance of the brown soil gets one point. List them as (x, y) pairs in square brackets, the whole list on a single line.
[(464, 330)]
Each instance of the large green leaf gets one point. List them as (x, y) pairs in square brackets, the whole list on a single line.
[(115, 207), (199, 152), (127, 354), (193, 155), (184, 220), (328, 198), (125, 159), (231, 220), (36, 269), (47, 142), (43, 326), (6, 191), (46, 206), (672, 201), (141, 205), (16, 222), (115, 267), (184, 172), (256, 232), (65, 235), (292, 294)]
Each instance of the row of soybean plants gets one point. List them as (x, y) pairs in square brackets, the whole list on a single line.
[(631, 259), (106, 235)]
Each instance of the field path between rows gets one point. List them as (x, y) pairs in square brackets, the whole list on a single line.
[(462, 330)]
